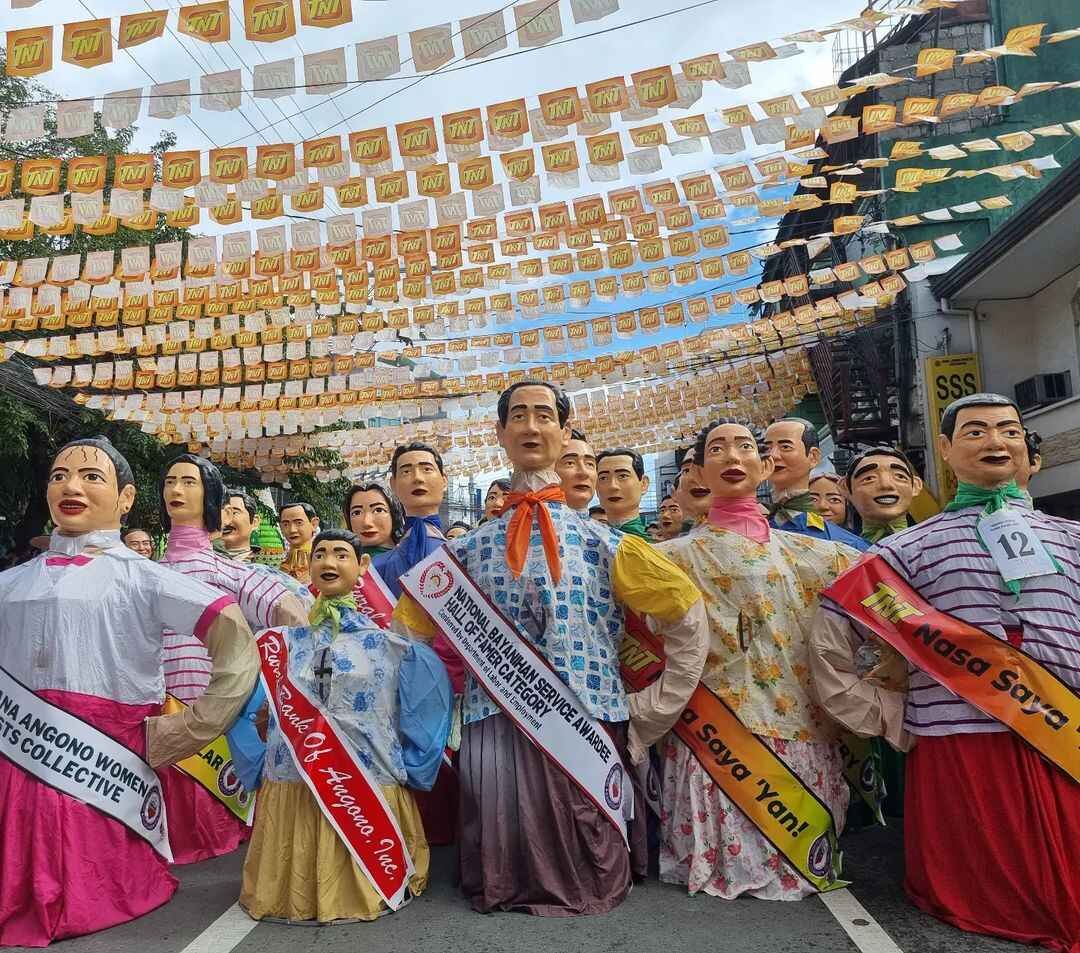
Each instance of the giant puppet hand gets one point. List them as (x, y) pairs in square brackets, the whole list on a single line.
[(290, 612), (869, 704), (229, 641), (648, 583)]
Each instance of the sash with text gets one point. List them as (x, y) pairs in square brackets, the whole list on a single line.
[(1002, 681), (787, 813), (64, 752), (212, 768), (349, 799), (522, 683)]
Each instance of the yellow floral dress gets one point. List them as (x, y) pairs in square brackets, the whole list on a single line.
[(760, 599)]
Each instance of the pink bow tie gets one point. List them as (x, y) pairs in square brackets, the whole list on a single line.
[(79, 560)]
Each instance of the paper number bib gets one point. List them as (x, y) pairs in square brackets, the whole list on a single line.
[(1017, 552)]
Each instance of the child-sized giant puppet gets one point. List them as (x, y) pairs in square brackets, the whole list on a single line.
[(538, 837), (83, 834), (367, 712), (984, 603), (192, 500)]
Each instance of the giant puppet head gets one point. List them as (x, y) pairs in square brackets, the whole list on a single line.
[(239, 519), (337, 561), (732, 460), (373, 515), (982, 440), (192, 493), (533, 426), (495, 497), (577, 471), (299, 524), (691, 493), (793, 446), (91, 487), (621, 483), (418, 479), (881, 483), (669, 524)]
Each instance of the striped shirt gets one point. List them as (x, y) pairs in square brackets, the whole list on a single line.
[(257, 591), (944, 561)]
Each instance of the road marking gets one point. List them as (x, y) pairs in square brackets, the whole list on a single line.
[(865, 932), (225, 933)]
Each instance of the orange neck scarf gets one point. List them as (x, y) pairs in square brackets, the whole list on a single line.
[(519, 530)]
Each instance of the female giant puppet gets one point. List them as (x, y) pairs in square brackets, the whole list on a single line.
[(192, 497), (83, 836)]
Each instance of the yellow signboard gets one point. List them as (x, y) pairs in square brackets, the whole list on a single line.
[(947, 379)]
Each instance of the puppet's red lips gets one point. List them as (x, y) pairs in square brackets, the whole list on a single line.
[(71, 507)]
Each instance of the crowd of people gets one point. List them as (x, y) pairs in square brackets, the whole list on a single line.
[(571, 695)]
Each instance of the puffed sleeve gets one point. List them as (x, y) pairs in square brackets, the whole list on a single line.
[(218, 622), (868, 705), (651, 584)]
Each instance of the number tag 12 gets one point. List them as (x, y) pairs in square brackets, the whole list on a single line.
[(1016, 550)]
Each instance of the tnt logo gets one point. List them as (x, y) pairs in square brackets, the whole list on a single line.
[(885, 602)]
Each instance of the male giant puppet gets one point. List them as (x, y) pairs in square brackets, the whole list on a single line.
[(192, 499), (984, 602), (532, 839), (720, 831), (84, 846), (793, 446)]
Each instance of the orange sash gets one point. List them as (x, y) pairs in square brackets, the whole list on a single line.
[(526, 506)]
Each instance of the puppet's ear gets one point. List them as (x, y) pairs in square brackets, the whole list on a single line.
[(365, 563)]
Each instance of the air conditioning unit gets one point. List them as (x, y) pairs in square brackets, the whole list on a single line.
[(1043, 389)]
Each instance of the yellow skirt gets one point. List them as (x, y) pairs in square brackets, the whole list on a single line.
[(297, 868)]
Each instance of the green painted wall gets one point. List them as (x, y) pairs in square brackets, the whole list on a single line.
[(1059, 62)]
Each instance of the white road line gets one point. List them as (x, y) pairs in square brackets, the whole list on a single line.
[(225, 933), (865, 932)]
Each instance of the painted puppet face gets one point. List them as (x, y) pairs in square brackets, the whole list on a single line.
[(335, 568), (987, 448), (882, 488), (577, 471), (370, 518), (418, 483), (83, 492), (533, 438), (733, 467)]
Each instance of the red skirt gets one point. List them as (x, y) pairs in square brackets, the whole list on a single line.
[(439, 807), (66, 869), (992, 839), (200, 826)]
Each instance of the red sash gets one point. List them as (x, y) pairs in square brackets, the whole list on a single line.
[(348, 798)]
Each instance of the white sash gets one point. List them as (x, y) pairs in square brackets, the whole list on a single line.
[(521, 683), (66, 753)]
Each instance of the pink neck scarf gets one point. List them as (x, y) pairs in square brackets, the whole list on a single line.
[(740, 515), (185, 541)]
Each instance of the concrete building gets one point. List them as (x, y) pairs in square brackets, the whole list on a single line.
[(1014, 302)]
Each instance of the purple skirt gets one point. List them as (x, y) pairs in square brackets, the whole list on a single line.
[(530, 839)]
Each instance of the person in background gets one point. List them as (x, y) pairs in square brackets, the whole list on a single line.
[(830, 502), (691, 493), (139, 540), (298, 867), (670, 523), (531, 840), (761, 590), (375, 516), (495, 497), (792, 444), (577, 471), (1033, 463), (299, 523), (457, 529), (620, 484), (597, 513), (240, 520)]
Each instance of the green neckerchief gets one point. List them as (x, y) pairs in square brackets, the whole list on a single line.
[(636, 527), (331, 608), (375, 550), (784, 511), (968, 495), (875, 532)]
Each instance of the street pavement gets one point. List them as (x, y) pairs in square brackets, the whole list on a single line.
[(657, 918)]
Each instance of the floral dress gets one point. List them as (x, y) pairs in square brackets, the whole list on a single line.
[(760, 599)]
